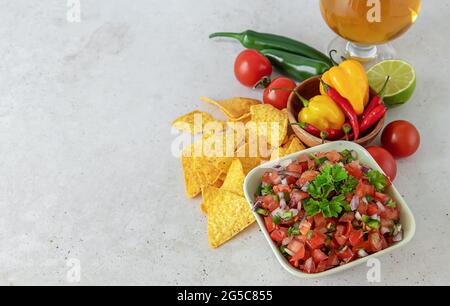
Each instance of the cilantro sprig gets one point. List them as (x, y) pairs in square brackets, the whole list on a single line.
[(377, 179), (331, 180)]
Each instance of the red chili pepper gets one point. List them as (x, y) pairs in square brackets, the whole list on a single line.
[(373, 117), (346, 107), (376, 101), (327, 134)]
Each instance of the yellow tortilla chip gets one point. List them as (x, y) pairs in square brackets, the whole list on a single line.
[(191, 182), (292, 146), (271, 123), (236, 109), (295, 146), (251, 155), (197, 122), (234, 181), (228, 215)]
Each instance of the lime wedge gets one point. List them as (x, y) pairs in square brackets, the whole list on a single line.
[(402, 84)]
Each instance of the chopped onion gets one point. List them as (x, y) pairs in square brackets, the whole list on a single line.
[(384, 230), (375, 217), (364, 199), (294, 212), (257, 205), (287, 240), (299, 205), (398, 237), (397, 229), (278, 212), (354, 203), (305, 187), (285, 163), (362, 253), (290, 173), (284, 181), (381, 206), (365, 169), (358, 216), (289, 252), (283, 203)]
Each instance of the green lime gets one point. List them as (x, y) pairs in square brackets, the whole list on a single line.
[(402, 83)]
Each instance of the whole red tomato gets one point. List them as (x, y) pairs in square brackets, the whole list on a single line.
[(401, 138), (251, 67), (385, 160), (278, 92)]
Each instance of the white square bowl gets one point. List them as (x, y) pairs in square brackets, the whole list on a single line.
[(253, 180)]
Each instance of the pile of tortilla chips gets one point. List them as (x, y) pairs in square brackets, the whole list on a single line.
[(216, 164)]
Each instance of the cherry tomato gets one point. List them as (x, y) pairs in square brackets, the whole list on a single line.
[(401, 138), (385, 160), (277, 97), (251, 67)]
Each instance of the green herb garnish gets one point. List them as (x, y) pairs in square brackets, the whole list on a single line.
[(276, 219), (391, 203), (292, 231), (378, 180), (347, 157), (262, 211)]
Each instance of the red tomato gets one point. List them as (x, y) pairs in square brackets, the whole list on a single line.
[(333, 260), (385, 160), (362, 208), (271, 178), (334, 156), (268, 202), (297, 168), (354, 169), (281, 188), (345, 254), (307, 176), (317, 241), (277, 97), (297, 196), (372, 209), (401, 138), (269, 224), (391, 213), (347, 217), (381, 197), (299, 255), (251, 67), (360, 189), (322, 266), (356, 237), (278, 235), (296, 246), (375, 242), (319, 256), (320, 221)]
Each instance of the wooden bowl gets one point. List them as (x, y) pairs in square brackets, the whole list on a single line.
[(309, 89)]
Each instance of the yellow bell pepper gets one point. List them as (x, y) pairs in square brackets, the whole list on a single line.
[(323, 113), (351, 81)]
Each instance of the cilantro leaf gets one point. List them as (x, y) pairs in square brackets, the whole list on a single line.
[(349, 185), (312, 207), (378, 180), (338, 173)]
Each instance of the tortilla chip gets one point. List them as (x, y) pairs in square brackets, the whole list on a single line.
[(271, 123), (251, 155), (228, 215), (234, 181), (292, 146), (236, 109), (197, 122), (191, 182)]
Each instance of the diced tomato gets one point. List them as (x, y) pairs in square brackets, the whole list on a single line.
[(345, 254), (369, 190), (356, 237), (372, 209), (334, 156), (376, 244), (305, 227), (298, 168), (297, 196), (381, 197), (319, 256), (281, 188), (279, 234), (387, 223), (317, 241), (291, 180), (268, 202), (307, 176), (321, 267), (298, 248), (339, 236), (333, 259), (347, 217), (271, 178), (354, 169), (362, 208), (391, 213), (309, 267), (364, 244), (360, 189), (269, 224), (320, 221), (384, 243)]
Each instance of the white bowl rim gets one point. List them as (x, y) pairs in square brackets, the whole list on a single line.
[(339, 146)]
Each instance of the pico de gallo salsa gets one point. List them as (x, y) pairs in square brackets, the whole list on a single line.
[(328, 209)]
